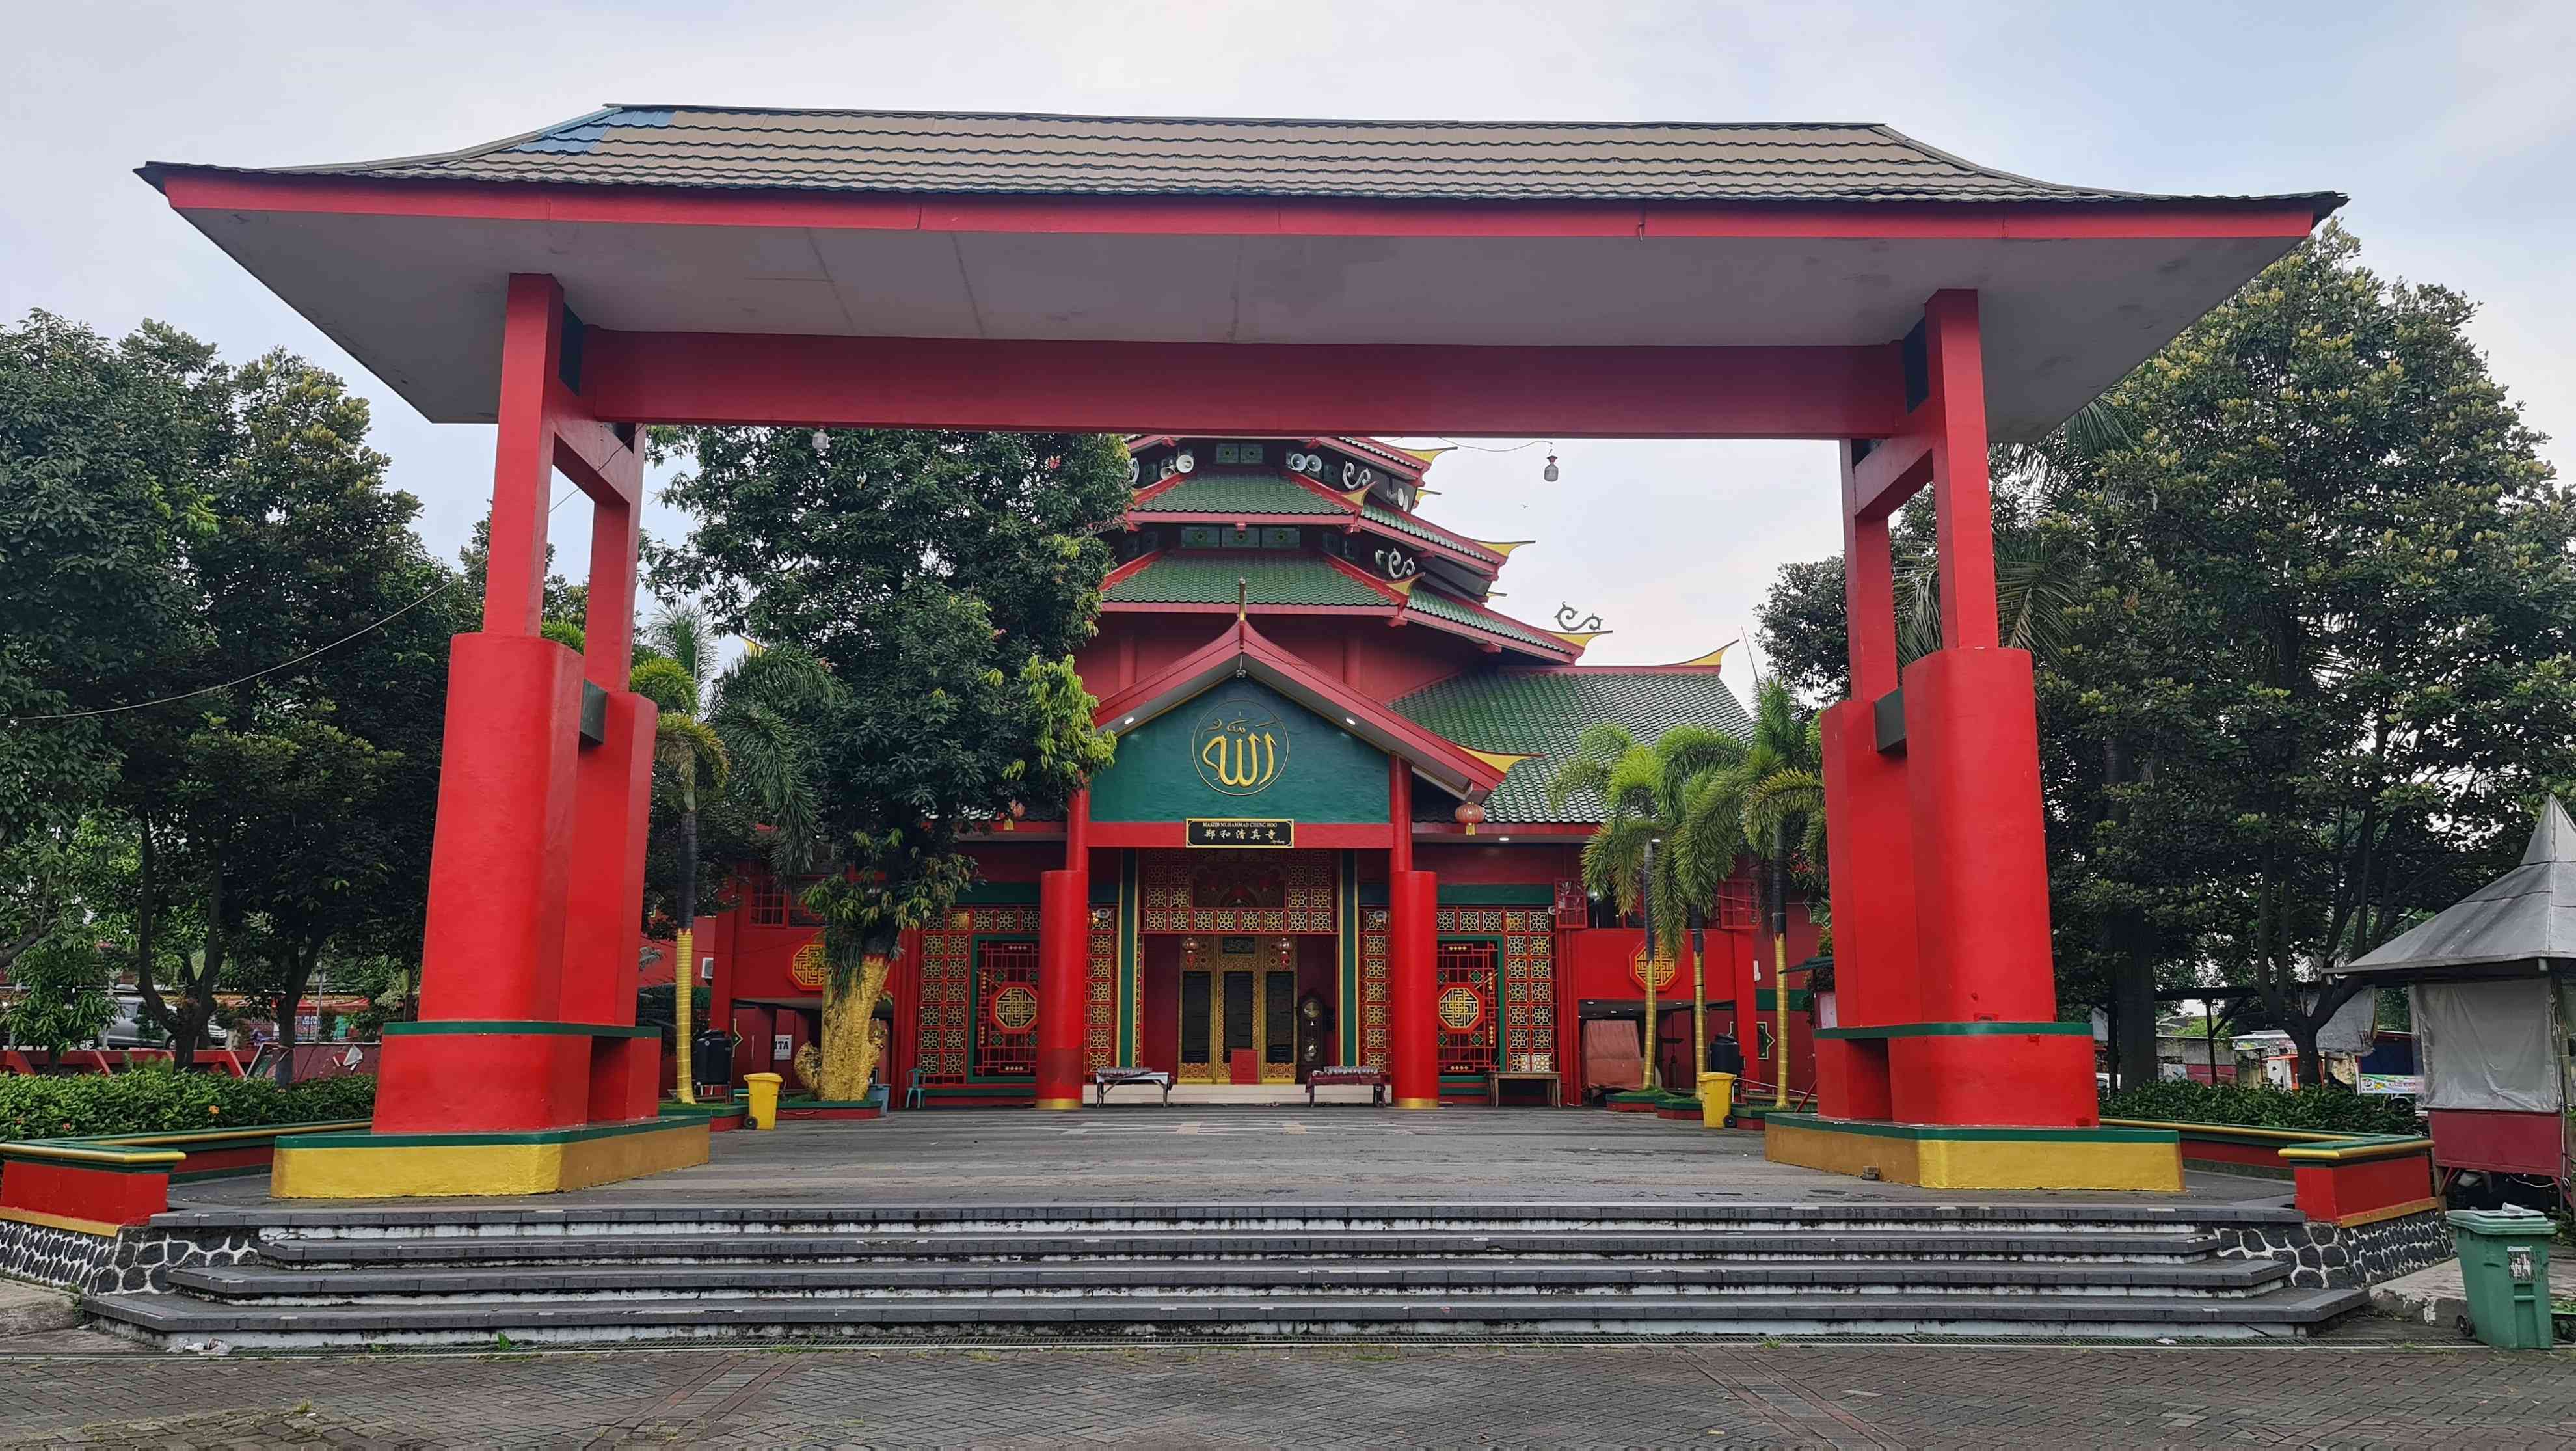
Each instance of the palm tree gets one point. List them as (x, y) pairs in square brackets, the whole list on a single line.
[(744, 729), (1633, 858), (1771, 802)]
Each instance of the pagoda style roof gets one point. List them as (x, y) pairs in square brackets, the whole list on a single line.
[(1270, 495), (1213, 580), (1541, 713), (1244, 651), (2523, 919), (951, 152), (1269, 581)]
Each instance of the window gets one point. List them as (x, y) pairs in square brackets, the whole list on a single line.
[(1465, 1007), (1735, 906), (1006, 1010), (768, 903), (796, 912)]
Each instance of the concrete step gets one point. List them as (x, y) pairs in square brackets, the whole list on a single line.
[(1749, 1245), (361, 1222), (179, 1320), (268, 1285)]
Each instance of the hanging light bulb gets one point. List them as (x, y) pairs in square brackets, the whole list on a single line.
[(1550, 473)]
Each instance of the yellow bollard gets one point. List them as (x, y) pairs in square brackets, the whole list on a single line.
[(764, 1099), (1716, 1099)]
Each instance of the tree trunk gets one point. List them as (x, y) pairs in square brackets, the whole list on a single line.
[(849, 1050), (298, 979), (2302, 1028), (2133, 995)]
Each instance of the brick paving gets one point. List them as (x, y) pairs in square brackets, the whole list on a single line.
[(2358, 1393)]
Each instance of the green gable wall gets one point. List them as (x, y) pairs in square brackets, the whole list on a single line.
[(1325, 773)]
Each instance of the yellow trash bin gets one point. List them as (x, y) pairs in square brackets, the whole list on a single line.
[(1716, 1098), (764, 1099)]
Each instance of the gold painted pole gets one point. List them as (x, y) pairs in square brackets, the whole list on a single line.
[(1780, 1038), (1654, 1037), (684, 986), (1699, 1007)]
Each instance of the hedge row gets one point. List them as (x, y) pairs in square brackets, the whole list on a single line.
[(2326, 1110), (162, 1100)]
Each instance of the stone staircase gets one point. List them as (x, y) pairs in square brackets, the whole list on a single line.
[(438, 1276)]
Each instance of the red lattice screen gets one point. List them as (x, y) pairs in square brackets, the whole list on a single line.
[(1006, 1022), (1465, 1007)]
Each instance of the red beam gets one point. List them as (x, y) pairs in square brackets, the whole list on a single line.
[(209, 189), (1224, 388), (1893, 472)]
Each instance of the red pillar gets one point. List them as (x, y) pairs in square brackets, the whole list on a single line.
[(1413, 906), (1064, 945), (1972, 784), (536, 872)]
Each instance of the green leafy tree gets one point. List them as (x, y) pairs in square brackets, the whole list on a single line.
[(943, 580), (1635, 857)]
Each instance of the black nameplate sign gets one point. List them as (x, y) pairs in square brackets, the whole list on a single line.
[(1238, 831)]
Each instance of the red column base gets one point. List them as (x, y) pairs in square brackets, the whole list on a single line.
[(2026, 1080)]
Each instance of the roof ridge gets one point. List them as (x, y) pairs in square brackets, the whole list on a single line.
[(1295, 121)]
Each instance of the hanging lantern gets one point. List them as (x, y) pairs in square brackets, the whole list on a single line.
[(1469, 814)]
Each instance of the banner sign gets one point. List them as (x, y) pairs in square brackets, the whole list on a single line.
[(1238, 831)]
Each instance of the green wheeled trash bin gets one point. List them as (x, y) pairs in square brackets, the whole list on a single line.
[(2504, 1266)]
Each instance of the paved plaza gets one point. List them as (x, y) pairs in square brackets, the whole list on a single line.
[(1744, 1394), (1210, 1155)]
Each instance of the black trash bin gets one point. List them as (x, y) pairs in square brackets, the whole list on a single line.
[(711, 1060), (1725, 1055)]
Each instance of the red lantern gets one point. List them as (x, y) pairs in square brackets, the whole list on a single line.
[(1468, 814)]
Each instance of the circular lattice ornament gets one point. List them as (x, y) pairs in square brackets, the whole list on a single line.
[(1015, 1009), (1461, 1009), (808, 968)]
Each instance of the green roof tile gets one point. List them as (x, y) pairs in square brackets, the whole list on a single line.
[(1208, 578), (1239, 494), (1542, 712), (1457, 612), (1407, 524)]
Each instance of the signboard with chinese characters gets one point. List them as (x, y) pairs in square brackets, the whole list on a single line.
[(1239, 831)]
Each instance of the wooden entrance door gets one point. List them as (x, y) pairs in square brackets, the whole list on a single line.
[(1240, 998)]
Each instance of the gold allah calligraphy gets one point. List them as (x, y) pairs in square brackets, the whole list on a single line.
[(1239, 756)]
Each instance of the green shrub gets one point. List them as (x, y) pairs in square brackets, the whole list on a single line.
[(163, 1100), (2325, 1110)]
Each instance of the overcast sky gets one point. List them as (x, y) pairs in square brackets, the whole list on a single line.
[(2452, 126)]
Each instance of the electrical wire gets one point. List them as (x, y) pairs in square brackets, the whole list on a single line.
[(1480, 448), (366, 629)]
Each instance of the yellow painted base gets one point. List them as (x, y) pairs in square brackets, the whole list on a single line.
[(1417, 1103), (100, 1227), (1999, 1162), (466, 1167), (1059, 1104)]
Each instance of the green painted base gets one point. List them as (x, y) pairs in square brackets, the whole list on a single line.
[(1941, 1156), (404, 1166)]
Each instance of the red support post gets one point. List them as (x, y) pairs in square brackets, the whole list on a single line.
[(1064, 944), (1413, 1045)]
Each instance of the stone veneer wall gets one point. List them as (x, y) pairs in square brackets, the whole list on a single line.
[(2334, 1257), (139, 1258)]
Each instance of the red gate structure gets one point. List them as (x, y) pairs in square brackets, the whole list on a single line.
[(1245, 279)]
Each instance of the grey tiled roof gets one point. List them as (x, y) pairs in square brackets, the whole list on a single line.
[(917, 151), (1542, 713)]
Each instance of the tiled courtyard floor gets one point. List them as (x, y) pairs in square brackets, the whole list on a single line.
[(2332, 1394), (1219, 1155)]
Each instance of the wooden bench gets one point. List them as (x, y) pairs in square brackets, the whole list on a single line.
[(1340, 1077), (1105, 1079)]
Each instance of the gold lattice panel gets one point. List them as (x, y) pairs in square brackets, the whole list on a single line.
[(1166, 879), (1373, 997), (948, 982), (1100, 965)]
